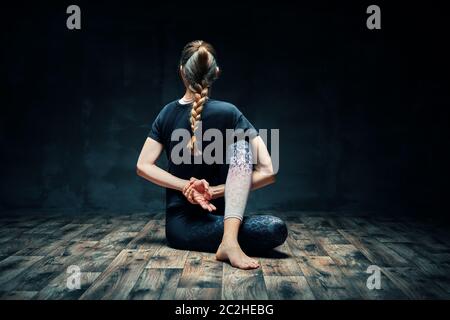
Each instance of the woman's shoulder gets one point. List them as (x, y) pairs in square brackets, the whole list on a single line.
[(167, 109), (170, 105), (224, 107)]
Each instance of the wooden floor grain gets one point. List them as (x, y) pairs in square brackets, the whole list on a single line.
[(326, 256)]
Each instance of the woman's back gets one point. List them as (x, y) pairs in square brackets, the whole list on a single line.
[(172, 124)]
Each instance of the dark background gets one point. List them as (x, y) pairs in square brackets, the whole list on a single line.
[(363, 114)]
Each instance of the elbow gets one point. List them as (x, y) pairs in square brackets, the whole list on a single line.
[(270, 175), (140, 169), (144, 170), (273, 177)]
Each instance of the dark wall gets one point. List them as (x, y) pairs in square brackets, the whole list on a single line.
[(363, 115)]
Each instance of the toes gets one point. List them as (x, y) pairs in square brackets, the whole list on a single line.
[(247, 266), (244, 265), (255, 263)]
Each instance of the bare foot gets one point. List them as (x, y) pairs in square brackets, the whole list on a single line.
[(237, 257)]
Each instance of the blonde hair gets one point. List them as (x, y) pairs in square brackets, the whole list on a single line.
[(198, 62)]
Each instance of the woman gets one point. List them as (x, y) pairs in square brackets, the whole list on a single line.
[(206, 201)]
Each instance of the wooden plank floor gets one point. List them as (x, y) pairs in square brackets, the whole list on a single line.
[(126, 257)]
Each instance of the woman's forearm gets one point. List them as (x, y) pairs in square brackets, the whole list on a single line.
[(259, 180), (146, 167), (153, 173)]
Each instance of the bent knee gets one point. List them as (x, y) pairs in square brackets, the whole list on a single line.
[(268, 231), (278, 230)]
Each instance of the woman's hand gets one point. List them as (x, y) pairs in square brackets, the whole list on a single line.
[(198, 192)]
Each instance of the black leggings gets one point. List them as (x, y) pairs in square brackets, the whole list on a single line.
[(202, 231)]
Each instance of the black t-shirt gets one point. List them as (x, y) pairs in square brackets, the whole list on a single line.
[(216, 114)]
